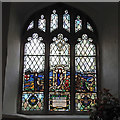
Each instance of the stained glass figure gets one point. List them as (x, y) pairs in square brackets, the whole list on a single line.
[(42, 23), (59, 75), (78, 24), (59, 101), (33, 81), (84, 101), (89, 27), (54, 21), (66, 21), (85, 76), (59, 79), (33, 74), (31, 25), (32, 101)]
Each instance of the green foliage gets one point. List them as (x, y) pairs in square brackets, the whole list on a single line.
[(107, 107)]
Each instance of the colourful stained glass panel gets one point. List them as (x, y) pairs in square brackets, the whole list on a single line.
[(59, 74), (59, 79), (33, 74), (84, 101), (28, 82), (59, 101), (32, 101), (54, 21), (85, 82), (78, 24), (42, 23), (66, 21)]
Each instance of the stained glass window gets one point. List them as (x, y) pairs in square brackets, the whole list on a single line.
[(89, 27), (78, 24), (70, 77), (59, 75), (54, 21), (66, 21), (85, 76), (31, 25), (42, 23), (33, 74)]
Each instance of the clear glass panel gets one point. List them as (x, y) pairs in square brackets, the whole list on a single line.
[(32, 101), (59, 75), (84, 101), (85, 64), (59, 101), (59, 47), (34, 46), (42, 23), (85, 47), (78, 24), (34, 63), (59, 60), (31, 25), (89, 27), (54, 21), (66, 21)]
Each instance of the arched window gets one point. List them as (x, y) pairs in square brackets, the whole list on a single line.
[(59, 68)]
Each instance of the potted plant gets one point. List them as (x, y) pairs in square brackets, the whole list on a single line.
[(107, 107)]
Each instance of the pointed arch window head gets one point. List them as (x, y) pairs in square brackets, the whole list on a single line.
[(59, 50)]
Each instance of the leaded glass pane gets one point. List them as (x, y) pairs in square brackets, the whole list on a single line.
[(34, 46), (32, 101), (33, 81), (54, 21), (59, 101), (31, 25), (89, 27), (85, 48), (66, 21), (78, 24), (85, 64), (84, 101), (59, 75), (42, 23), (60, 60), (33, 74), (34, 63), (85, 82), (85, 76)]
